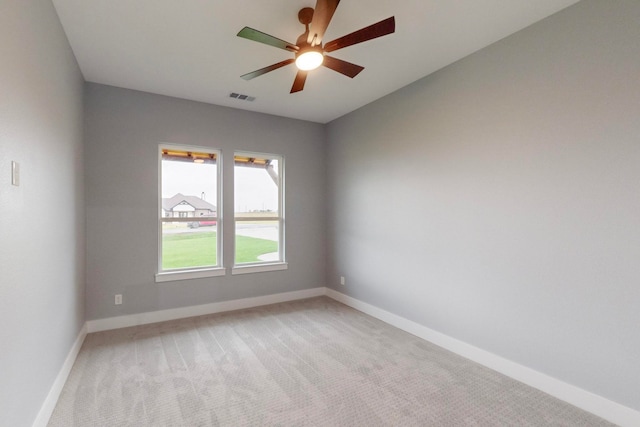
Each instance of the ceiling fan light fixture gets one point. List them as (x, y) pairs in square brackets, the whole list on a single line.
[(309, 60), (310, 47)]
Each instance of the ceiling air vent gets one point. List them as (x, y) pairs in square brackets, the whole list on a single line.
[(242, 97)]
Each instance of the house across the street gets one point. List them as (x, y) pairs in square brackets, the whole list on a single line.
[(181, 206)]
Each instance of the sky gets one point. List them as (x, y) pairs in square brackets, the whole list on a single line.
[(254, 188)]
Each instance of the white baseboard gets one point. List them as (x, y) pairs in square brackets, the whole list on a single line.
[(597, 405), (42, 419), (198, 310)]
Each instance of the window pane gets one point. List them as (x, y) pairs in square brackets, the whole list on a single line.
[(257, 241), (189, 244), (256, 187), (189, 189)]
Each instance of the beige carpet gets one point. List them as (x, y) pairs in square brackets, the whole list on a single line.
[(306, 363)]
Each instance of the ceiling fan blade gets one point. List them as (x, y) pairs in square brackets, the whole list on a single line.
[(322, 15), (379, 29), (265, 70), (343, 67), (260, 37), (298, 83)]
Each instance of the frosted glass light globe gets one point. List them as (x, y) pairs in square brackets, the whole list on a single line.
[(309, 60)]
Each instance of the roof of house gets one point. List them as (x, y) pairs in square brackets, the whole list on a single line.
[(198, 203)]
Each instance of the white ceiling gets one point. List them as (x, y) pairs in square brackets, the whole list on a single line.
[(189, 49)]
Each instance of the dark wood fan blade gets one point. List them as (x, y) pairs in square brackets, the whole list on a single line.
[(343, 67), (260, 37), (322, 15), (265, 70), (298, 83), (378, 29)]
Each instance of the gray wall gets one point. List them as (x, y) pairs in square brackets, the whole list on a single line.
[(123, 130), (497, 201), (42, 220)]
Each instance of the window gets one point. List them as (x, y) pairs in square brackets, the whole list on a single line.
[(189, 217), (259, 213)]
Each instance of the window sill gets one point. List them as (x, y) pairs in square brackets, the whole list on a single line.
[(170, 276), (259, 268)]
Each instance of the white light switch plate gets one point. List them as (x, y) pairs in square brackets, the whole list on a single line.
[(15, 173)]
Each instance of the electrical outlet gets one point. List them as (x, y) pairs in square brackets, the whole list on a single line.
[(118, 299), (342, 280)]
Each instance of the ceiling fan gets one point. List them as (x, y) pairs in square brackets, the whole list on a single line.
[(309, 52)]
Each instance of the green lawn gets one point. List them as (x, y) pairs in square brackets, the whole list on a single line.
[(249, 248), (198, 249)]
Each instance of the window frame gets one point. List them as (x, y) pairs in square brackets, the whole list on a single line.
[(263, 266), (192, 272)]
